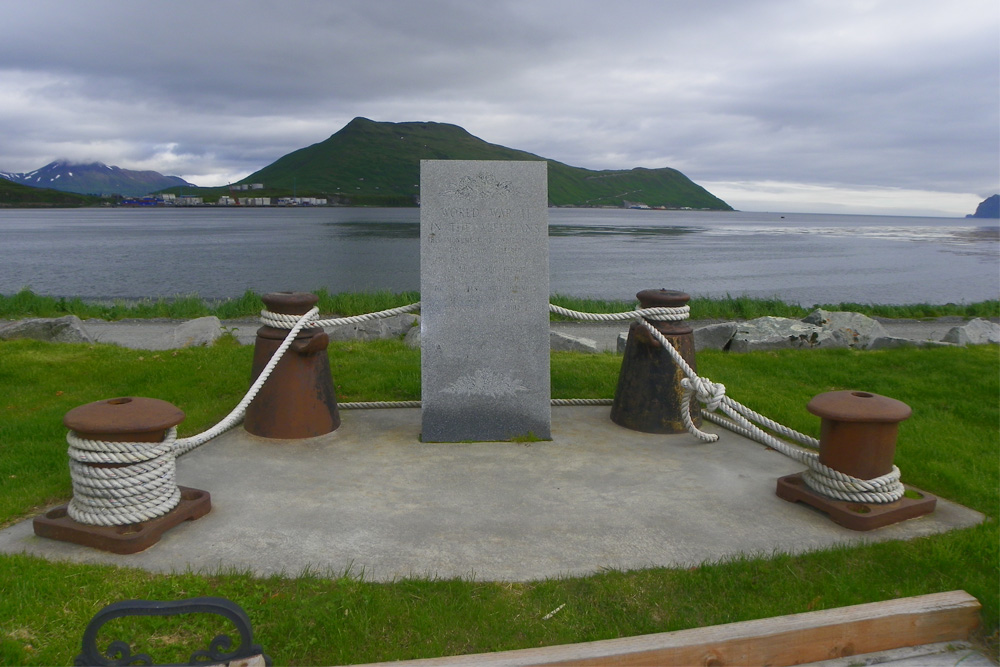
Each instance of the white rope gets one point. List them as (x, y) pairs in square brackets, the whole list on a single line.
[(560, 402), (282, 321), (185, 445), (740, 419), (294, 324), (142, 485), (659, 314), (377, 405), (735, 416)]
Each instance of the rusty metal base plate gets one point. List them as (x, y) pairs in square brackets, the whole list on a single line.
[(857, 516), (128, 539)]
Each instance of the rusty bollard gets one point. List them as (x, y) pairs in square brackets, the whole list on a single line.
[(858, 437), (648, 396), (123, 420), (298, 399), (858, 431)]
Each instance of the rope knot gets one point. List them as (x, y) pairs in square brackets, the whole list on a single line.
[(711, 394)]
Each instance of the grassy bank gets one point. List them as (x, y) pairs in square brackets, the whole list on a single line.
[(949, 447), (28, 304)]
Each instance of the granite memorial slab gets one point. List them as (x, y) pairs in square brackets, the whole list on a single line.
[(484, 286)]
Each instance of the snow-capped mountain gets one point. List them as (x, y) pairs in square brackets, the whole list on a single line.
[(95, 178)]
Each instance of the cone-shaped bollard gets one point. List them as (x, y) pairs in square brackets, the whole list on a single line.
[(297, 400), (648, 397), (858, 438)]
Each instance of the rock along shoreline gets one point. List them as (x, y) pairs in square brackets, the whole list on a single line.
[(820, 329)]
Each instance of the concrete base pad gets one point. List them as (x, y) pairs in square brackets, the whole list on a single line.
[(371, 498)]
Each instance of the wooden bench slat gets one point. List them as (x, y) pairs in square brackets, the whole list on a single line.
[(782, 640)]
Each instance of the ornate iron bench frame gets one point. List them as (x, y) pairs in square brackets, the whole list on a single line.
[(120, 652)]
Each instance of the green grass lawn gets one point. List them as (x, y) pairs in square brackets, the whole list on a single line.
[(950, 447)]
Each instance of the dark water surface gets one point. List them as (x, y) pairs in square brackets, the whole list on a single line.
[(600, 253)]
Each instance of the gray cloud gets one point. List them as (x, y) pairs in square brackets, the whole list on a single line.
[(832, 94)]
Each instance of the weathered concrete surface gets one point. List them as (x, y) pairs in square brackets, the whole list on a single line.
[(372, 498)]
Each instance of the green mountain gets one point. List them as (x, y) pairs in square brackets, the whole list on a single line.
[(368, 162), (15, 194)]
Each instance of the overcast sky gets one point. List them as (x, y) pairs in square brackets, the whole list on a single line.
[(855, 106)]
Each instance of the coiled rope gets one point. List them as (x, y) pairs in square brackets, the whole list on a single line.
[(142, 484), (139, 485)]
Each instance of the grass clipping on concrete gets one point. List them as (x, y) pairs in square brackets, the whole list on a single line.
[(950, 447)]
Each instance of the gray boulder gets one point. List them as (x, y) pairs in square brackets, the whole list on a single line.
[(387, 327), (66, 329), (563, 342), (412, 337), (714, 336), (976, 332), (622, 342), (847, 329), (776, 333), (196, 332), (889, 342)]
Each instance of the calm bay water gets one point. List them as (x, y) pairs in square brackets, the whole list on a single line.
[(600, 253)]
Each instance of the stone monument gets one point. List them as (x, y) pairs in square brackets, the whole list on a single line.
[(484, 288)]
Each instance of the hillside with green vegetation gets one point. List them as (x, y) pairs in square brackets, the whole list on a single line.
[(368, 162), (15, 194)]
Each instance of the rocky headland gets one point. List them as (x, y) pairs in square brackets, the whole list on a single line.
[(988, 208)]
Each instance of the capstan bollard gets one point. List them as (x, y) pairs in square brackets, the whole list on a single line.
[(298, 399), (649, 392), (122, 464), (858, 431), (858, 438)]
